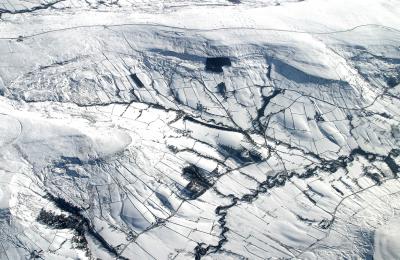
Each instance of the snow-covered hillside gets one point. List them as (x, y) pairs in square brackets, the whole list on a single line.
[(187, 129)]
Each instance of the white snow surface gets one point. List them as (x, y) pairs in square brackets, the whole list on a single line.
[(386, 241), (118, 142)]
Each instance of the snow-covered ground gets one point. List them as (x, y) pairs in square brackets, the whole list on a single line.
[(139, 129), (386, 241)]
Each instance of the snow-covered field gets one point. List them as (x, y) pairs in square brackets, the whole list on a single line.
[(187, 129)]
